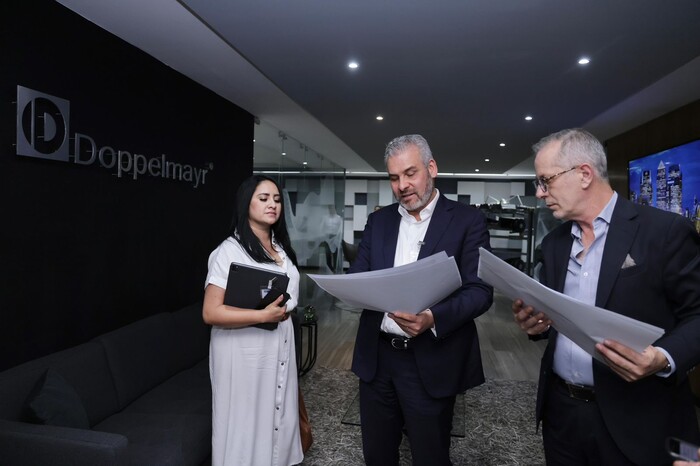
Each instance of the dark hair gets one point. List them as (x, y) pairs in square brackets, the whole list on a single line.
[(240, 226)]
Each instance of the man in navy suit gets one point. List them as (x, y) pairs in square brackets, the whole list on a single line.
[(411, 367), (637, 261)]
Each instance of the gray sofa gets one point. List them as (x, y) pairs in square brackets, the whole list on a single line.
[(138, 395)]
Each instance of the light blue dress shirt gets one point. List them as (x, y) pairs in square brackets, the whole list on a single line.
[(571, 362)]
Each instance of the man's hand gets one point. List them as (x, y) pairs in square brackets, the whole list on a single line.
[(629, 364), (530, 322), (414, 324)]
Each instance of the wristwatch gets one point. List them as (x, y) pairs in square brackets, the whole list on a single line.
[(666, 370)]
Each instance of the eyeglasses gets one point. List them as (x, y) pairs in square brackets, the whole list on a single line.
[(543, 181)]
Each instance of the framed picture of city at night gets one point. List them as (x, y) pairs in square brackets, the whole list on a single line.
[(669, 180)]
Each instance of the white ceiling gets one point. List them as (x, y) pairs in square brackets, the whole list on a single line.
[(464, 73)]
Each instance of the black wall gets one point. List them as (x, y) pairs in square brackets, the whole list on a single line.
[(83, 251)]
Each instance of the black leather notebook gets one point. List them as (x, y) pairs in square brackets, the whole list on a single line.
[(251, 287)]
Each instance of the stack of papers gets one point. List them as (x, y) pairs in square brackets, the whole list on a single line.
[(408, 288), (582, 323)]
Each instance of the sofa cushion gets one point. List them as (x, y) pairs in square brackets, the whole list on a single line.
[(18, 382), (23, 444), (187, 392), (85, 369), (55, 402), (157, 439), (162, 439), (174, 416), (141, 355), (88, 373), (192, 335)]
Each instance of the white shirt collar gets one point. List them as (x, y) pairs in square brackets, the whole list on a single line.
[(425, 213)]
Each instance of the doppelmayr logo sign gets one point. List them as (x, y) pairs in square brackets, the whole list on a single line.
[(43, 131)]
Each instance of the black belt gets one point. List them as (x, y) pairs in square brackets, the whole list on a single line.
[(578, 392), (397, 341)]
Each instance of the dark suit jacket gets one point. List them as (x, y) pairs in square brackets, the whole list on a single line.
[(663, 289), (451, 362)]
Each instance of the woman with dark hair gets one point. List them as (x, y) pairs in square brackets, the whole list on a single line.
[(253, 370)]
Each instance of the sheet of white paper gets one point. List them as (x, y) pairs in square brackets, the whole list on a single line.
[(584, 324), (410, 288)]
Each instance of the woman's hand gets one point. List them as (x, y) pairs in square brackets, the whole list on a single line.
[(215, 312), (275, 311)]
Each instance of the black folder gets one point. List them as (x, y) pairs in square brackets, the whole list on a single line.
[(251, 287)]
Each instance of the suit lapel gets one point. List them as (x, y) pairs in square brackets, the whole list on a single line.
[(621, 234), (439, 225), (391, 238), (562, 251)]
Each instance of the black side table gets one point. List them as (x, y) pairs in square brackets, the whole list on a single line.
[(310, 327)]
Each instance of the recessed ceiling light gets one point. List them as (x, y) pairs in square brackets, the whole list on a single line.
[(487, 160), (528, 118), (584, 61), (476, 169), (353, 65), (379, 118), (305, 162), (503, 144), (284, 153)]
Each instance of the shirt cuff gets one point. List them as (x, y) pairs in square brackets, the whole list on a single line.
[(666, 372), (432, 329)]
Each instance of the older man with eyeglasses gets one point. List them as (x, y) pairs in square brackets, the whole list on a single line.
[(631, 259)]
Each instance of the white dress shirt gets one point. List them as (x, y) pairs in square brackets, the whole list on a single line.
[(410, 240)]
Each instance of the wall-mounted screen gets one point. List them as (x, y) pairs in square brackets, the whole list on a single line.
[(669, 180)]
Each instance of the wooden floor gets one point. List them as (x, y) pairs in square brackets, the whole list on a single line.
[(506, 352)]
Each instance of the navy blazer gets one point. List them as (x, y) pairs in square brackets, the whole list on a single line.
[(662, 289), (451, 362)]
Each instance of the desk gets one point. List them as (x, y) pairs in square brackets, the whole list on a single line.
[(310, 327)]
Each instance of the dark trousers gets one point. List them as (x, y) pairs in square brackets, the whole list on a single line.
[(396, 399), (574, 432)]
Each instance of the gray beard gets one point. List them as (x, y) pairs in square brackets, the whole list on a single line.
[(422, 201)]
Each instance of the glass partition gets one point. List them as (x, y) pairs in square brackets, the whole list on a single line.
[(314, 194)]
